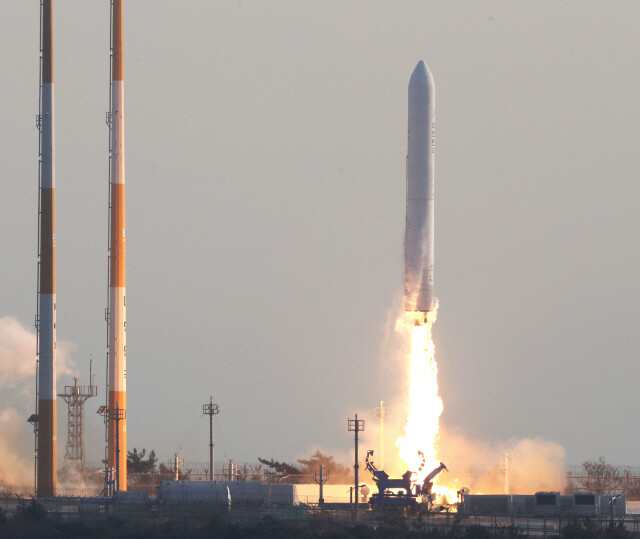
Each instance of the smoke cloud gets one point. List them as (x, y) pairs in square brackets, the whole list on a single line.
[(15, 441), (17, 387), (529, 465), (533, 464), (18, 353)]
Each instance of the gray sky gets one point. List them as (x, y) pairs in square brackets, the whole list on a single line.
[(265, 170)]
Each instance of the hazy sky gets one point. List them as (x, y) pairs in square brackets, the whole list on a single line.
[(265, 167)]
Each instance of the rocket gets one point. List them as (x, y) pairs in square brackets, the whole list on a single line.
[(117, 320), (46, 468), (419, 238)]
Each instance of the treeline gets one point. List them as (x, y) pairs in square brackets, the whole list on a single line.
[(600, 477), (141, 463)]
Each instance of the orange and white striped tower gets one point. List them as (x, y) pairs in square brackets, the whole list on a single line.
[(117, 353), (46, 469)]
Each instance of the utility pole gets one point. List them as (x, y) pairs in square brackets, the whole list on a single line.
[(270, 478), (210, 409), (506, 473), (321, 479), (178, 464), (508, 466), (356, 425), (381, 412)]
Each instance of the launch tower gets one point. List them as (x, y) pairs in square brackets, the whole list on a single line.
[(75, 396)]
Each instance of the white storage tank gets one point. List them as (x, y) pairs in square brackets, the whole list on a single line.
[(178, 492), (281, 493), (244, 492)]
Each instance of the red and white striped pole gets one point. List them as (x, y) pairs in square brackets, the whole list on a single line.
[(117, 441), (46, 470)]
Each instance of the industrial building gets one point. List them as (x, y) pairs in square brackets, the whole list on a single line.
[(543, 504)]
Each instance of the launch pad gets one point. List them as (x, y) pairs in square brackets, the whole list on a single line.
[(407, 483)]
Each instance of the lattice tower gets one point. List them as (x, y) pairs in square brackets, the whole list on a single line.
[(75, 396)]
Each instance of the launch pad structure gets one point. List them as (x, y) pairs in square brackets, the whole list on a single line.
[(75, 396)]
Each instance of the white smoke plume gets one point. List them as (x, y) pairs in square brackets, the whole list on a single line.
[(18, 353), (534, 464), (16, 441), (530, 464), (17, 387)]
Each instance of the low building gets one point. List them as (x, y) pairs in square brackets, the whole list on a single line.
[(543, 504)]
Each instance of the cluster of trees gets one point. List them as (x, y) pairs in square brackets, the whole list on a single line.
[(600, 477), (305, 468), (139, 462)]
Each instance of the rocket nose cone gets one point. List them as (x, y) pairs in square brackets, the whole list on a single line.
[(421, 75)]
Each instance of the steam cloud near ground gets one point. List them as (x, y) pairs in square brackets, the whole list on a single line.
[(535, 464), (17, 386)]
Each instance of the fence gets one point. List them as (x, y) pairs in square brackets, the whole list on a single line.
[(95, 510)]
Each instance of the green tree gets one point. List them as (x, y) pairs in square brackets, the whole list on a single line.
[(136, 462), (337, 472), (304, 472), (280, 467)]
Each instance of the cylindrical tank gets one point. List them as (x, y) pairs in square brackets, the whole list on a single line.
[(176, 492), (245, 492), (280, 493)]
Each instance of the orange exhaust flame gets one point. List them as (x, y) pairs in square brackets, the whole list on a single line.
[(425, 404)]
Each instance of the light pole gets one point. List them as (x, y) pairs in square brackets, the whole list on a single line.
[(321, 480), (210, 409), (612, 502), (116, 414), (381, 412), (356, 425), (270, 478)]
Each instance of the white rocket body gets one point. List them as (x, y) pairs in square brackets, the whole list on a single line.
[(419, 232)]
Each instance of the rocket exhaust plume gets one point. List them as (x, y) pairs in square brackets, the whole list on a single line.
[(117, 318), (46, 456), (422, 431)]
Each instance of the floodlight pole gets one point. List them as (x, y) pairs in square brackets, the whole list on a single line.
[(321, 480), (210, 409), (113, 414), (381, 412), (356, 425)]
